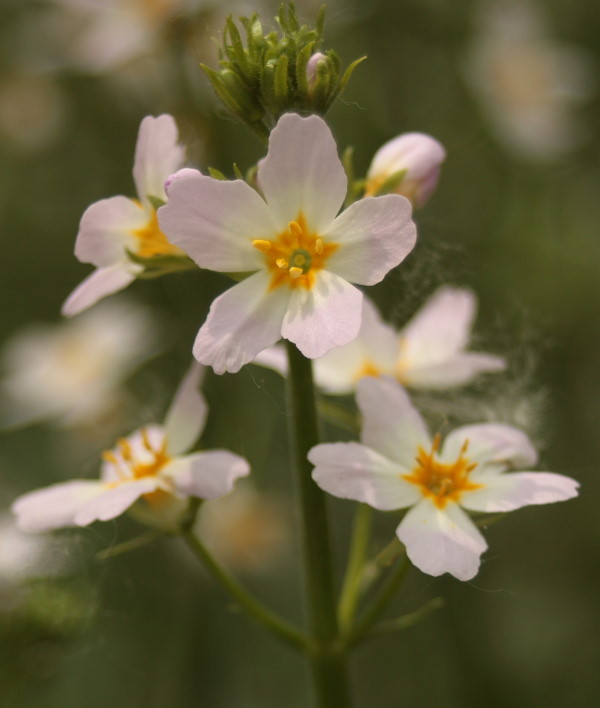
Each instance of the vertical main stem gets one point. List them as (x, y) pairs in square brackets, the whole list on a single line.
[(327, 659)]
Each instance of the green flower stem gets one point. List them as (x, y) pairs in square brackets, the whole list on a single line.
[(379, 603), (254, 608), (351, 590), (327, 656)]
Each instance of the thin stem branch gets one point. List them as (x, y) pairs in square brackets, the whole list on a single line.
[(379, 603), (253, 607), (351, 589)]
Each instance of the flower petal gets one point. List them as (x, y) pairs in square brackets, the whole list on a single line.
[(114, 500), (326, 316), (373, 352), (391, 424), (374, 235), (157, 155), (56, 506), (99, 284), (105, 230), (354, 471), (440, 329), (489, 444), (302, 172), (215, 222), (242, 322), (457, 370), (187, 414), (505, 492), (206, 475), (442, 540), (273, 358)]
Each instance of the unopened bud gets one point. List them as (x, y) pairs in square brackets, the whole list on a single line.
[(408, 165), (311, 69)]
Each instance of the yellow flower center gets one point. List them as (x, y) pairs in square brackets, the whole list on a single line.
[(127, 467), (295, 255), (368, 368), (152, 241), (442, 482)]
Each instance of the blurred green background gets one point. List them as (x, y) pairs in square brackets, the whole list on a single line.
[(516, 217)]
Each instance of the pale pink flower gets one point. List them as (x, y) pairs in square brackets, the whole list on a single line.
[(301, 255), (418, 156), (430, 352), (147, 465), (112, 227), (398, 465)]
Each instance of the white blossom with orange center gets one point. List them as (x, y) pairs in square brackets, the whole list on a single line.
[(302, 255), (111, 228), (398, 465), (149, 466), (430, 352)]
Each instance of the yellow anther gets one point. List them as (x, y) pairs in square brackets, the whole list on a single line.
[(295, 228), (282, 263), (109, 456), (125, 448), (146, 440), (262, 245), (319, 246), (295, 272)]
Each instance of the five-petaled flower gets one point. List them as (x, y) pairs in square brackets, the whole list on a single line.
[(428, 353), (147, 465), (112, 228), (398, 465), (302, 256)]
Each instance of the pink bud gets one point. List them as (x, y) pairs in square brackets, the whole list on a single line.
[(311, 68), (417, 153)]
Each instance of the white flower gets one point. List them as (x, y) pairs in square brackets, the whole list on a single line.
[(112, 227), (528, 84), (418, 156), (21, 555), (72, 371), (429, 353), (147, 464), (302, 255), (399, 465)]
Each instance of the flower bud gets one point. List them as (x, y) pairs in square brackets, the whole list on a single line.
[(408, 165), (311, 69)]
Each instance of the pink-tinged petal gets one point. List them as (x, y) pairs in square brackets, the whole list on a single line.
[(215, 222), (442, 540), (374, 236), (114, 500), (454, 371), (187, 414), (353, 471), (183, 172), (56, 506), (440, 329), (506, 492), (206, 475), (326, 316), (391, 424), (302, 172), (157, 155), (372, 353), (105, 230), (242, 321), (490, 445), (273, 358), (99, 284)]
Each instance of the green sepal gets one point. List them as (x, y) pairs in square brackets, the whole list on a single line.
[(156, 202), (156, 266), (216, 174), (391, 183)]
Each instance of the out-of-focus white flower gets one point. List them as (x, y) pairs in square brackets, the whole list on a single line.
[(411, 162), (301, 255), (22, 555), (528, 84), (246, 530), (148, 465), (72, 371), (111, 228), (398, 465), (429, 353)]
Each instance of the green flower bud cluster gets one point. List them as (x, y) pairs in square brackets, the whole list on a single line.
[(276, 73)]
